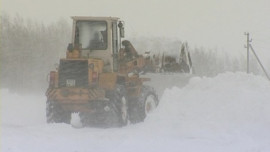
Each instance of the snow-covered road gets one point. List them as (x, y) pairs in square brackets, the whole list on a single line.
[(227, 113)]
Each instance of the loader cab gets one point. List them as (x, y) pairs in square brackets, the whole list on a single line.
[(98, 37)]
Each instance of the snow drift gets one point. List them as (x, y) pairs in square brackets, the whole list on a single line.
[(230, 112), (228, 100)]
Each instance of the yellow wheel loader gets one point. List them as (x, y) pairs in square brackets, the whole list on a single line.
[(99, 78)]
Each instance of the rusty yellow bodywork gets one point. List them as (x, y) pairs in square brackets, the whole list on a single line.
[(75, 99), (107, 80), (103, 74)]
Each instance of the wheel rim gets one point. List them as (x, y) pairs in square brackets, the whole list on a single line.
[(150, 104), (124, 109)]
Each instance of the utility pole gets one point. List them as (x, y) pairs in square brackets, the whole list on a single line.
[(253, 51), (247, 46)]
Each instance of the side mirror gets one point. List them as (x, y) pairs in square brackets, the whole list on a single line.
[(70, 47), (122, 29)]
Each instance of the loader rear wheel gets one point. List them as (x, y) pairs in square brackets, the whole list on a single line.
[(121, 102), (140, 107), (55, 114), (124, 112)]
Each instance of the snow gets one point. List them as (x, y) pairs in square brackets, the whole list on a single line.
[(227, 113)]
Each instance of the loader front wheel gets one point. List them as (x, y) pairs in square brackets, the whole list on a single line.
[(120, 103), (141, 106)]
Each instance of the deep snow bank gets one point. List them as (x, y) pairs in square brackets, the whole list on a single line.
[(230, 112), (229, 100)]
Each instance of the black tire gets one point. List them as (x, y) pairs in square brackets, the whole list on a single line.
[(55, 114), (118, 105), (123, 111), (121, 102), (141, 106)]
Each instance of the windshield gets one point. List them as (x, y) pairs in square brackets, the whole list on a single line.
[(91, 34)]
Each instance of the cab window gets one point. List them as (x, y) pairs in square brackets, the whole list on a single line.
[(91, 35)]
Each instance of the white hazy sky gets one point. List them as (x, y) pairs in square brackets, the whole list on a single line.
[(214, 24)]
